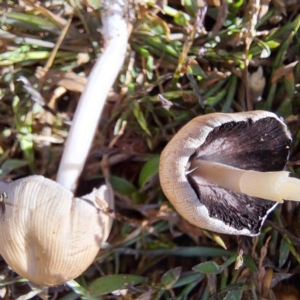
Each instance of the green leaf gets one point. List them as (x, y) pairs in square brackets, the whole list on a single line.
[(230, 95), (266, 51), (149, 169), (29, 21), (12, 280), (23, 121), (12, 164), (272, 44), (77, 288), (208, 267), (110, 283), (122, 186), (195, 69), (283, 252), (140, 118), (249, 263), (171, 277), (229, 261), (180, 19), (237, 3), (215, 88), (234, 295), (161, 46), (188, 278), (289, 82), (285, 109), (191, 6), (150, 67), (193, 252), (219, 240), (144, 52), (96, 4), (214, 100)]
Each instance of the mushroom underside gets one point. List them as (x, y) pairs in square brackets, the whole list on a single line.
[(259, 146)]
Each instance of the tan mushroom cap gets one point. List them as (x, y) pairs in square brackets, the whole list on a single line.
[(175, 160), (47, 235)]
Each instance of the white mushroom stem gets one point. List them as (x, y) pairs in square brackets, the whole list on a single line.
[(92, 101), (275, 186)]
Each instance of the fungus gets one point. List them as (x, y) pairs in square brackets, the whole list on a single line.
[(223, 172), (92, 100), (48, 235)]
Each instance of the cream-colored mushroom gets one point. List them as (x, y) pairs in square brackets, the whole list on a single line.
[(47, 235), (219, 167)]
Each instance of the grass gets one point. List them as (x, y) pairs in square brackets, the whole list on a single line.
[(201, 66)]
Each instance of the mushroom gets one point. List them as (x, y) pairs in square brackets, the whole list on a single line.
[(223, 172), (47, 235), (92, 100)]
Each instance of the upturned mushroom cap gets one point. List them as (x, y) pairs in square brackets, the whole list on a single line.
[(47, 235), (257, 141)]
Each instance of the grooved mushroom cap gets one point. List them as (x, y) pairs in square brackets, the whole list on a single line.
[(256, 140), (47, 235)]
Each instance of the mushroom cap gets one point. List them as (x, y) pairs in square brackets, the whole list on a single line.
[(47, 235), (256, 140)]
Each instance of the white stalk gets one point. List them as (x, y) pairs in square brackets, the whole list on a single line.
[(275, 186), (92, 100)]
